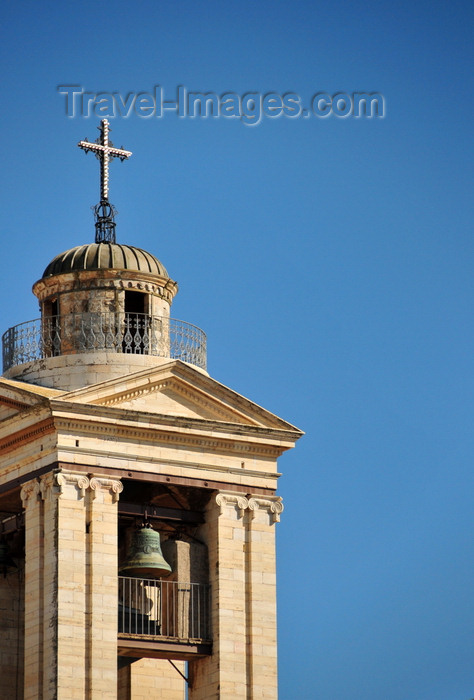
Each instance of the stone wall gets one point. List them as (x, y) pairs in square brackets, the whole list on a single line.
[(69, 372), (151, 679)]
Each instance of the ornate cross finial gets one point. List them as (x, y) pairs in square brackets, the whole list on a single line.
[(104, 150)]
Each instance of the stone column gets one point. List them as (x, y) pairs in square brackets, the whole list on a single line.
[(71, 587), (33, 647), (240, 535), (261, 597), (102, 588), (64, 496), (224, 674)]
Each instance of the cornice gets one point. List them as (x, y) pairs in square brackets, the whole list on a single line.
[(11, 403), (159, 435), (82, 280), (132, 417), (26, 435), (187, 391), (192, 380), (130, 394)]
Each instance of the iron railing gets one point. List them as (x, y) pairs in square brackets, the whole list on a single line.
[(158, 608), (139, 334)]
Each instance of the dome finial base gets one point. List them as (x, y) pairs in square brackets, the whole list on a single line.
[(104, 214)]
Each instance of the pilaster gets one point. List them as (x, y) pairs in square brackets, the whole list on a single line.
[(240, 535), (102, 588), (34, 602), (71, 587), (261, 597)]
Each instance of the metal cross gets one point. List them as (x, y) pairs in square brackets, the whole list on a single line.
[(104, 150)]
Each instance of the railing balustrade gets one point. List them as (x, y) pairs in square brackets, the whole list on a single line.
[(160, 608), (129, 333)]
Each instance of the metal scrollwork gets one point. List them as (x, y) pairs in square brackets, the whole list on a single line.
[(140, 334)]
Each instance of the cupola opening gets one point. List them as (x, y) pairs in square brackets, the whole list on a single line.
[(136, 303)]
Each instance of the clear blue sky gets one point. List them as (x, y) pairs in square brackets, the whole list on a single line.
[(329, 260)]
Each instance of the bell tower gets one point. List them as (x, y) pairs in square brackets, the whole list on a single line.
[(138, 501)]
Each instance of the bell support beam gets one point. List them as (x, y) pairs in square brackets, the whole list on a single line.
[(190, 517)]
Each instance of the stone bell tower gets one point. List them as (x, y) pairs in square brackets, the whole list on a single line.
[(138, 500)]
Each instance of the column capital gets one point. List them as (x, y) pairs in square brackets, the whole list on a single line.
[(29, 490), (115, 486), (271, 505), (49, 486), (80, 481), (224, 499)]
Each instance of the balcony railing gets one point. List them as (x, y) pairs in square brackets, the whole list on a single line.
[(129, 333), (167, 609)]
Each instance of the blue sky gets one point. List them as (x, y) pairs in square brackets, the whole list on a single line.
[(330, 262)]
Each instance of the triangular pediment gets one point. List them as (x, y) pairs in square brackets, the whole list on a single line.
[(16, 397), (177, 389)]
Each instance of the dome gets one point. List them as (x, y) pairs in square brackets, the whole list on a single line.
[(105, 256)]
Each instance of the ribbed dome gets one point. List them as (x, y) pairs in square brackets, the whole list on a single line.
[(105, 256)]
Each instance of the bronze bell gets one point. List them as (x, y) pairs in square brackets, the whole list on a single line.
[(145, 558)]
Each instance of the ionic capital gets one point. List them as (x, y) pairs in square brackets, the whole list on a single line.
[(113, 485), (226, 499), (80, 481), (29, 490), (49, 486), (275, 507)]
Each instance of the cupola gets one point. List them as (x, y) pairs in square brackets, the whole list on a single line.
[(105, 307)]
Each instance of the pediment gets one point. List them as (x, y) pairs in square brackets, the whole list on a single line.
[(172, 397), (16, 397), (177, 389)]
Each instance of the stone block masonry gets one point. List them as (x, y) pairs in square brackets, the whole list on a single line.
[(71, 587), (240, 535)]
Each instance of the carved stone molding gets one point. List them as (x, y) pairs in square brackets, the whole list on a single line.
[(49, 487), (228, 499), (253, 504), (30, 490), (274, 507), (113, 485), (81, 280), (27, 435), (54, 485), (158, 433), (80, 481), (129, 395)]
